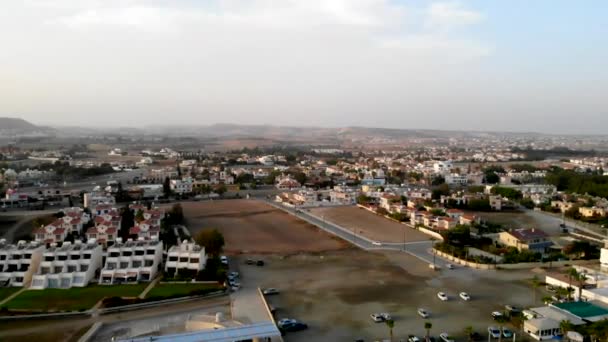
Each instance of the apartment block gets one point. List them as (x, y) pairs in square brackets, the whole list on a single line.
[(19, 262), (132, 261), (186, 257), (71, 265)]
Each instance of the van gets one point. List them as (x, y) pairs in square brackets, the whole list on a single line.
[(529, 314)]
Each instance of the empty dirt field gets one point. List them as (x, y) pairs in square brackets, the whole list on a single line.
[(251, 226), (370, 225)]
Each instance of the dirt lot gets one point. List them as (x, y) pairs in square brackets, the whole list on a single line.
[(370, 225), (335, 294), (251, 226)]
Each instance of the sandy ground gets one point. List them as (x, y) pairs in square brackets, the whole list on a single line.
[(370, 225), (251, 226), (336, 292)]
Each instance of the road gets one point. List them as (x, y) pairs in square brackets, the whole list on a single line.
[(422, 250), (551, 222)]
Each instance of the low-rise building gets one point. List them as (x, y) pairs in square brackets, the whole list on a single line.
[(71, 265), (19, 262), (592, 211), (51, 233), (132, 261), (186, 257), (534, 240)]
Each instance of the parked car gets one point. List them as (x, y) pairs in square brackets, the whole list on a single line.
[(270, 291), (376, 243), (507, 333), (494, 332), (442, 296), (496, 315), (233, 274), (224, 260), (260, 263), (475, 336), (513, 310), (449, 266), (284, 321), (235, 287), (413, 338), (380, 317), (250, 262), (294, 327), (445, 337), (423, 313), (465, 296)]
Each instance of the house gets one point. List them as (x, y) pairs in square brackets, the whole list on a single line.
[(445, 223), (340, 195), (104, 233), (51, 233), (456, 179), (132, 261), (145, 230), (545, 324), (469, 219), (534, 240), (286, 183), (495, 202), (181, 186), (19, 262), (455, 214), (186, 257), (592, 211), (386, 200), (71, 265)]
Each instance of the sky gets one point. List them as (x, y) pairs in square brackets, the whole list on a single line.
[(514, 65)]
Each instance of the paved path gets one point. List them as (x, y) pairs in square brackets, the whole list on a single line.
[(9, 298), (149, 287)]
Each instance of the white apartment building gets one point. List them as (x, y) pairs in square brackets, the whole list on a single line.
[(71, 265), (19, 262), (187, 256), (94, 199), (181, 186), (132, 261), (341, 195), (456, 179)]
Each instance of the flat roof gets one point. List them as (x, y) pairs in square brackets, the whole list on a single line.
[(585, 310), (244, 332)]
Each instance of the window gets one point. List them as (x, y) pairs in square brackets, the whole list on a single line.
[(194, 260), (58, 237), (27, 256), (183, 259), (136, 263), (149, 263), (62, 257), (111, 265), (58, 269), (172, 258), (75, 257), (2, 257), (124, 264), (87, 256), (49, 258), (127, 253), (16, 257), (71, 268), (150, 252), (114, 254), (139, 253), (84, 268)]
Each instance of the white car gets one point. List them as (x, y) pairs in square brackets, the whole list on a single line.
[(285, 321), (445, 337), (380, 317), (494, 332), (376, 243), (449, 266), (224, 260), (442, 296), (233, 274), (496, 315), (423, 313), (465, 296), (413, 339)]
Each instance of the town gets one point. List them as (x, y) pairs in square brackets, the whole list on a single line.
[(226, 240)]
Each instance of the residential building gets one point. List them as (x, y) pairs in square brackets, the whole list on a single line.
[(456, 179), (51, 233), (104, 233), (342, 195), (132, 261), (534, 240), (186, 257), (145, 230), (592, 211), (495, 202), (286, 183), (71, 265), (19, 262), (181, 186), (93, 199)]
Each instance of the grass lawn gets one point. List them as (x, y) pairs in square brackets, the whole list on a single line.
[(179, 290), (7, 291), (74, 299)]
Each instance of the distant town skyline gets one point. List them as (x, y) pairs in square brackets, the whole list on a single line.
[(515, 66)]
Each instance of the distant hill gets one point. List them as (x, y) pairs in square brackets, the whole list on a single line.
[(17, 124)]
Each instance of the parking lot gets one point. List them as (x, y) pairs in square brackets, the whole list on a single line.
[(335, 293)]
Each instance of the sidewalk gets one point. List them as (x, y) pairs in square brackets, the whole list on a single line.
[(150, 287)]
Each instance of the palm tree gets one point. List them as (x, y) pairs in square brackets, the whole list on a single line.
[(579, 278), (427, 327), (390, 324), (535, 284), (547, 299), (565, 325), (468, 331)]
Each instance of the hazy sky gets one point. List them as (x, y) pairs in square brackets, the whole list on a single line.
[(516, 65)]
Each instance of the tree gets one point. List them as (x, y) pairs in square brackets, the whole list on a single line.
[(381, 211), (565, 325), (427, 327), (221, 189), (390, 324), (167, 187), (175, 215), (139, 216), (212, 240), (535, 284), (127, 220), (579, 278), (468, 331)]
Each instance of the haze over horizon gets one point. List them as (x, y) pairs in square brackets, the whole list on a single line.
[(448, 65)]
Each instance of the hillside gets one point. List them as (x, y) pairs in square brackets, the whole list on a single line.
[(16, 124)]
